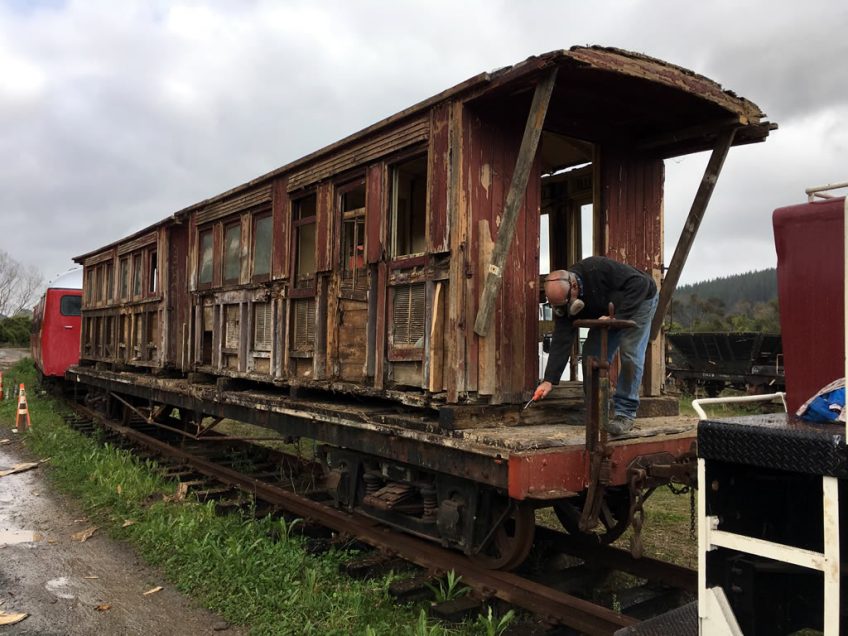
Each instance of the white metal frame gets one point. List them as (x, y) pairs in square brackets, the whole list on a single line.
[(714, 614)]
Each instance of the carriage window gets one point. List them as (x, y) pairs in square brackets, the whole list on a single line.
[(232, 253), (110, 282), (153, 283), (352, 203), (70, 305), (138, 274), (304, 237), (125, 277), (409, 207), (205, 269), (98, 283), (262, 246)]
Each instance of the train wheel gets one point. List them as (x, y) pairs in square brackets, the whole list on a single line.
[(615, 511), (509, 543)]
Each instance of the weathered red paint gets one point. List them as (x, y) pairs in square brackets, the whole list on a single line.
[(56, 344), (810, 279), (281, 216), (558, 472), (374, 217), (437, 178)]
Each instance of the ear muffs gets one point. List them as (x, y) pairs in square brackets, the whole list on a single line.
[(575, 307)]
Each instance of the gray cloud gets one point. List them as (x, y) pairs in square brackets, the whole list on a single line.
[(115, 116)]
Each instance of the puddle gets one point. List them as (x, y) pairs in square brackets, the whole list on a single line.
[(14, 537)]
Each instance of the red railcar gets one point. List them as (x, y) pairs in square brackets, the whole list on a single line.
[(56, 326)]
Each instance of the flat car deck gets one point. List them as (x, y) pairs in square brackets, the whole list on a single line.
[(539, 461)]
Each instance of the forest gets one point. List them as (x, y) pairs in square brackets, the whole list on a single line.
[(742, 302)]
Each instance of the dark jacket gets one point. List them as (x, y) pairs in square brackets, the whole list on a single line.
[(602, 281)]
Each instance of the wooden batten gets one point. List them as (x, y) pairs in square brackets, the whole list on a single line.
[(324, 225), (281, 222), (487, 362), (438, 176), (375, 203), (458, 221)]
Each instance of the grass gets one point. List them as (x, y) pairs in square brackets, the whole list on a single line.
[(252, 572)]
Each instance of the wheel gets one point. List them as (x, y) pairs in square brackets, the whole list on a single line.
[(615, 511), (509, 544)]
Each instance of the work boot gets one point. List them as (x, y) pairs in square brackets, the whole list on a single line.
[(619, 425)]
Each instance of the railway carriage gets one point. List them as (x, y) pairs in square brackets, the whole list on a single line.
[(56, 326), (382, 294)]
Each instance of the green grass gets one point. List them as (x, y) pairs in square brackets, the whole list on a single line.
[(252, 572)]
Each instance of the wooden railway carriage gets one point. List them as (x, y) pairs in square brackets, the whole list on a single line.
[(403, 263)]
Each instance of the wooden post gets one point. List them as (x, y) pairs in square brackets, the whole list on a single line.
[(526, 154), (690, 228)]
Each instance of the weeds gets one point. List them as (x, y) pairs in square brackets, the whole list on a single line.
[(495, 626), (448, 588), (252, 572)]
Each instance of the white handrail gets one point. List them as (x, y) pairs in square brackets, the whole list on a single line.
[(702, 414), (816, 191)]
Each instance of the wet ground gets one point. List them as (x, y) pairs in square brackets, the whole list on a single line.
[(70, 587)]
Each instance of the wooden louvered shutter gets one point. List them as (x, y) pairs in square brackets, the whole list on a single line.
[(303, 338), (408, 316), (262, 326)]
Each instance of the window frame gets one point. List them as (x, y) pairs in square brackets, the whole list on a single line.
[(255, 219), (392, 238), (201, 232), (225, 228), (297, 291)]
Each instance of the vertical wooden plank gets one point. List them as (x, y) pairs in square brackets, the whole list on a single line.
[(376, 211), (245, 334), (529, 292), (285, 331), (437, 341), (331, 321), (438, 172), (281, 224), (324, 235), (319, 357), (244, 248), (455, 333), (380, 326), (487, 361), (217, 255)]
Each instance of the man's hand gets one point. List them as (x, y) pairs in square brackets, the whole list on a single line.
[(542, 390), (605, 318)]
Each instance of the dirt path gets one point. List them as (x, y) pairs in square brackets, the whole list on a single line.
[(61, 582)]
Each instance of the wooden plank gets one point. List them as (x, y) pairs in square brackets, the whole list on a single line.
[(380, 327), (324, 235), (438, 173), (518, 185), (458, 210), (374, 206), (690, 228), (280, 221), (437, 340), (487, 373)]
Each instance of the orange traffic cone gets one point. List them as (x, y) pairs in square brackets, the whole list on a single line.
[(23, 409)]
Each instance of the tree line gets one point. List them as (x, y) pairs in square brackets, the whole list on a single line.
[(19, 288), (742, 302)]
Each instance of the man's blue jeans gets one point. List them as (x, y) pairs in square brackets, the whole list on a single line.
[(631, 343)]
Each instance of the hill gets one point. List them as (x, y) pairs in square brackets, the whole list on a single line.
[(742, 302)]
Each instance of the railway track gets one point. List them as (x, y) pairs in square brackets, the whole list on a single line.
[(271, 482)]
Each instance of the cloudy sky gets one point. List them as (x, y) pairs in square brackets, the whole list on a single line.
[(115, 114)]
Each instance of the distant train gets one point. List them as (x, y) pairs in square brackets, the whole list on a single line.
[(745, 360), (56, 326)]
